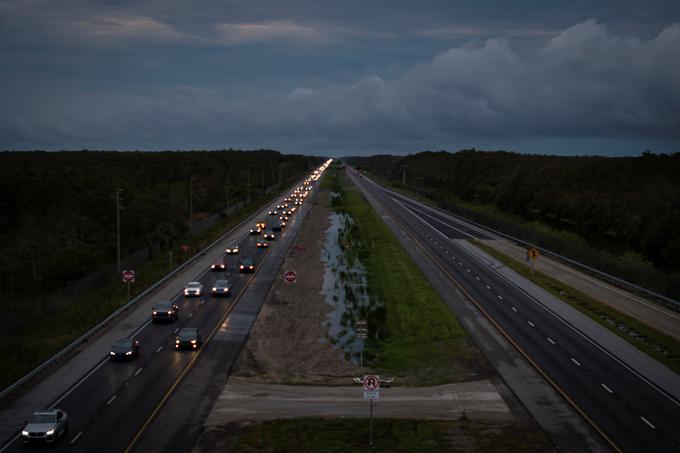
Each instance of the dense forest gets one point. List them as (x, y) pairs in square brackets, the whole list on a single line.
[(624, 205), (59, 211)]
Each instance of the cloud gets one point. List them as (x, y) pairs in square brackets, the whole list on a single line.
[(583, 83), (125, 26), (235, 34)]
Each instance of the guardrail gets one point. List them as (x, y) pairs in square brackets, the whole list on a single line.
[(667, 301), (86, 337)]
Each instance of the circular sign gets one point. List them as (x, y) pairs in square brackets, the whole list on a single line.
[(128, 276), (290, 276), (371, 382)]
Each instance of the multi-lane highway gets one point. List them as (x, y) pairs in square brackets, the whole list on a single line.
[(110, 404), (628, 411)]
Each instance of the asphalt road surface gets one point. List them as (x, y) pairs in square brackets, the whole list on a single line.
[(110, 405), (628, 411)]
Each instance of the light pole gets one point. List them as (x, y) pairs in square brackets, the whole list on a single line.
[(118, 191), (191, 206), (248, 198), (226, 189)]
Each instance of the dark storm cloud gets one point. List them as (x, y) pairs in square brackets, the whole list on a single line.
[(311, 77)]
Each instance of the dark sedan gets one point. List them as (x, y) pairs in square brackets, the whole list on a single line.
[(164, 311), (221, 288), (188, 338), (246, 266), (124, 349)]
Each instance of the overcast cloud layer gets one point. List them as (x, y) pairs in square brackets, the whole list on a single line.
[(316, 81)]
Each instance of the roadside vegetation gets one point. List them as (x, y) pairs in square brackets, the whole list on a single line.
[(34, 337), (343, 435), (618, 215), (658, 345), (412, 334)]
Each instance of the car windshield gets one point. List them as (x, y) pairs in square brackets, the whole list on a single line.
[(185, 335), (194, 285), (123, 343), (162, 306), (43, 418), (222, 283)]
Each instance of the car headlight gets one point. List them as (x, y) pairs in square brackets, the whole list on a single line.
[(50, 432), (214, 289), (186, 291), (112, 353), (128, 353), (241, 266), (155, 312), (170, 312), (176, 341), (193, 341), (24, 433)]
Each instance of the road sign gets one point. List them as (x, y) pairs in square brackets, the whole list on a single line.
[(128, 276), (371, 382), (290, 277), (533, 254)]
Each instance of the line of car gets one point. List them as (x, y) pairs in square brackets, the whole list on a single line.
[(47, 426)]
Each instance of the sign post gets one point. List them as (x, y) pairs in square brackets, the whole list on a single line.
[(362, 333), (532, 255), (128, 277), (371, 392), (289, 276)]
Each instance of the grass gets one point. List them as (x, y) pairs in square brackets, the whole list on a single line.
[(18, 356), (658, 345), (343, 435), (419, 341)]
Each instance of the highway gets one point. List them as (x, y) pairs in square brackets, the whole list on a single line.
[(109, 406), (629, 412)]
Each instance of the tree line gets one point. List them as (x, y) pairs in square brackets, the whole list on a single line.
[(58, 219), (624, 205)]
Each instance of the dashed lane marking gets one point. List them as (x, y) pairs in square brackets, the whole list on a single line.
[(139, 370), (500, 297), (550, 340), (531, 324), (190, 315), (76, 437), (607, 388), (514, 309), (159, 349), (575, 361), (647, 422), (111, 399)]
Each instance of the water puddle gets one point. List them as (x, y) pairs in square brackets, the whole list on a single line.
[(344, 288)]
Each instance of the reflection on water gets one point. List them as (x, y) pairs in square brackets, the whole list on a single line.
[(344, 288)]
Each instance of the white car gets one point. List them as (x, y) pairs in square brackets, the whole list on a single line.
[(193, 289), (45, 427)]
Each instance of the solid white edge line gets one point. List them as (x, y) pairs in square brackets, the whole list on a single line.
[(607, 388), (111, 399), (647, 422), (76, 437)]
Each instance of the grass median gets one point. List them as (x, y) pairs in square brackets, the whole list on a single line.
[(343, 435), (419, 340), (658, 345)]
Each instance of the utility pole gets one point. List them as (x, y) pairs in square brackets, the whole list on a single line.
[(262, 176), (403, 176), (226, 187), (280, 174), (191, 205), (248, 198), (118, 191)]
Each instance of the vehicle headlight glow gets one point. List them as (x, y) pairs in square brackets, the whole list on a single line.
[(128, 353), (214, 289), (50, 432), (155, 312), (176, 341), (112, 353), (193, 341), (24, 433), (170, 312)]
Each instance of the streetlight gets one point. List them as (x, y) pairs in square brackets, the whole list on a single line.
[(191, 206)]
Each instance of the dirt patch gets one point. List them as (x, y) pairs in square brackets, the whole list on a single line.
[(288, 342)]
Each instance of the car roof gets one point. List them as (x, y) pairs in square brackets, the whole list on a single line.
[(194, 283), (46, 412)]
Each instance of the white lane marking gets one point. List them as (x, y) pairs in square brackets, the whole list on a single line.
[(453, 257), (514, 309), (111, 399), (190, 315), (139, 370), (575, 361), (76, 437), (468, 269), (202, 302), (531, 324), (477, 277), (607, 388), (647, 421), (159, 349), (446, 251), (488, 287), (550, 340), (460, 264), (176, 330), (500, 297)]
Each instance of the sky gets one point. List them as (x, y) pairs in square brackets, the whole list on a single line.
[(340, 78)]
